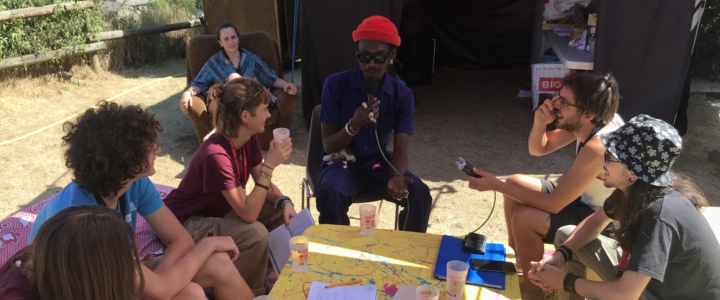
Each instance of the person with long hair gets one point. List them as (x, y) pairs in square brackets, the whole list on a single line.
[(228, 63), (67, 261), (212, 198), (667, 248), (111, 151)]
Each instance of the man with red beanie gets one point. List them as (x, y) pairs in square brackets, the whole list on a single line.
[(362, 109)]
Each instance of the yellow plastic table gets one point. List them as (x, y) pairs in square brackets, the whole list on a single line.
[(388, 259)]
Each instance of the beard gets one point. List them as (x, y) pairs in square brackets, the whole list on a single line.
[(569, 125)]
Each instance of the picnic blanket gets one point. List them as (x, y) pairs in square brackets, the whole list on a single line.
[(14, 230)]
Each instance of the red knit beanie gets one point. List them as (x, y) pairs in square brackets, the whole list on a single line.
[(377, 28)]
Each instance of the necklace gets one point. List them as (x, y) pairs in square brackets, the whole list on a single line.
[(245, 175)]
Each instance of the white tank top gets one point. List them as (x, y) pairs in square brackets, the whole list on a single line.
[(596, 193)]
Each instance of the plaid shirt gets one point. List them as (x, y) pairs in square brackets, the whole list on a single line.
[(216, 70)]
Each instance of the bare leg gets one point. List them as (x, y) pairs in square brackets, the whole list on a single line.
[(219, 274), (530, 226), (510, 204), (192, 291), (509, 207)]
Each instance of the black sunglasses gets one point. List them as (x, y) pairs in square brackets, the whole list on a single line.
[(365, 58)]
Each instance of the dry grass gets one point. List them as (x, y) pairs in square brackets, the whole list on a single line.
[(485, 124), (150, 49)]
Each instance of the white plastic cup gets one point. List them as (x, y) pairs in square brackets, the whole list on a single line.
[(457, 271), (265, 297), (299, 253), (427, 292), (280, 134), (367, 219)]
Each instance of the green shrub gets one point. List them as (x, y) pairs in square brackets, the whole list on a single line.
[(707, 46), (68, 30), (62, 30)]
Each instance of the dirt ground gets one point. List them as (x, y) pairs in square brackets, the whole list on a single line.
[(473, 114)]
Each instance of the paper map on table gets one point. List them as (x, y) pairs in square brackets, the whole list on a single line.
[(387, 259)]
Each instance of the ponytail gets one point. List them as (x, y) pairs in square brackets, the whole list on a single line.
[(215, 92)]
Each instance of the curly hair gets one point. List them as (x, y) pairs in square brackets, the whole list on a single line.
[(632, 205), (595, 93), (109, 145), (235, 96)]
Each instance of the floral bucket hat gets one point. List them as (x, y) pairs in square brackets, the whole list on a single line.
[(646, 146)]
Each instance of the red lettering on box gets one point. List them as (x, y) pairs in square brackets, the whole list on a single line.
[(549, 84)]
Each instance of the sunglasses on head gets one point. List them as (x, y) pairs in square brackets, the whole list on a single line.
[(365, 58)]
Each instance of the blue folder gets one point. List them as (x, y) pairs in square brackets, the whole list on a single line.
[(451, 248)]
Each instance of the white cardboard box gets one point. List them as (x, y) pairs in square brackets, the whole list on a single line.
[(546, 80)]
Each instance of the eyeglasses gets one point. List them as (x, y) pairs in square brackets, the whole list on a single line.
[(609, 158), (365, 58), (565, 103)]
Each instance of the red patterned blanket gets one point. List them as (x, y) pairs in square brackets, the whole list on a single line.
[(14, 230)]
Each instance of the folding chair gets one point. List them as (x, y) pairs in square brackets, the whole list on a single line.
[(312, 168)]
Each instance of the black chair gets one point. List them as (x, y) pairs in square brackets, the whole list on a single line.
[(312, 168)]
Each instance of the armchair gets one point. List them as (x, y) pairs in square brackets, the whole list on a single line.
[(201, 48)]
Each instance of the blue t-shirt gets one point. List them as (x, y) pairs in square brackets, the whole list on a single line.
[(141, 197), (343, 94)]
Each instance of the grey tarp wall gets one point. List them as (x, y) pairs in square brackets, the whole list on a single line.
[(647, 45), (327, 45), (469, 34)]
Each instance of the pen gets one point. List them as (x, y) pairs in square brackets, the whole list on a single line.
[(343, 283)]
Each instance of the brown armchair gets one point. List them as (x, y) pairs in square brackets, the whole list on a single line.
[(201, 48)]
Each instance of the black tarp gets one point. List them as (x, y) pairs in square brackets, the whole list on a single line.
[(482, 34), (469, 34), (647, 45), (327, 45)]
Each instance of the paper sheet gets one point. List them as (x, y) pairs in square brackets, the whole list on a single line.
[(300, 222), (352, 292)]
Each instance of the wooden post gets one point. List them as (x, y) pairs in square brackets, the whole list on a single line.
[(116, 34), (95, 61), (45, 56), (30, 12)]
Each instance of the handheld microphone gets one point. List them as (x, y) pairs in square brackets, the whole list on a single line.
[(370, 86)]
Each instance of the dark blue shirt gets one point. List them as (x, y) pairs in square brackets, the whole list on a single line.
[(343, 94)]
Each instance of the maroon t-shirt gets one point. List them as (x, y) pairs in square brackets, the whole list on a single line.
[(211, 171)]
